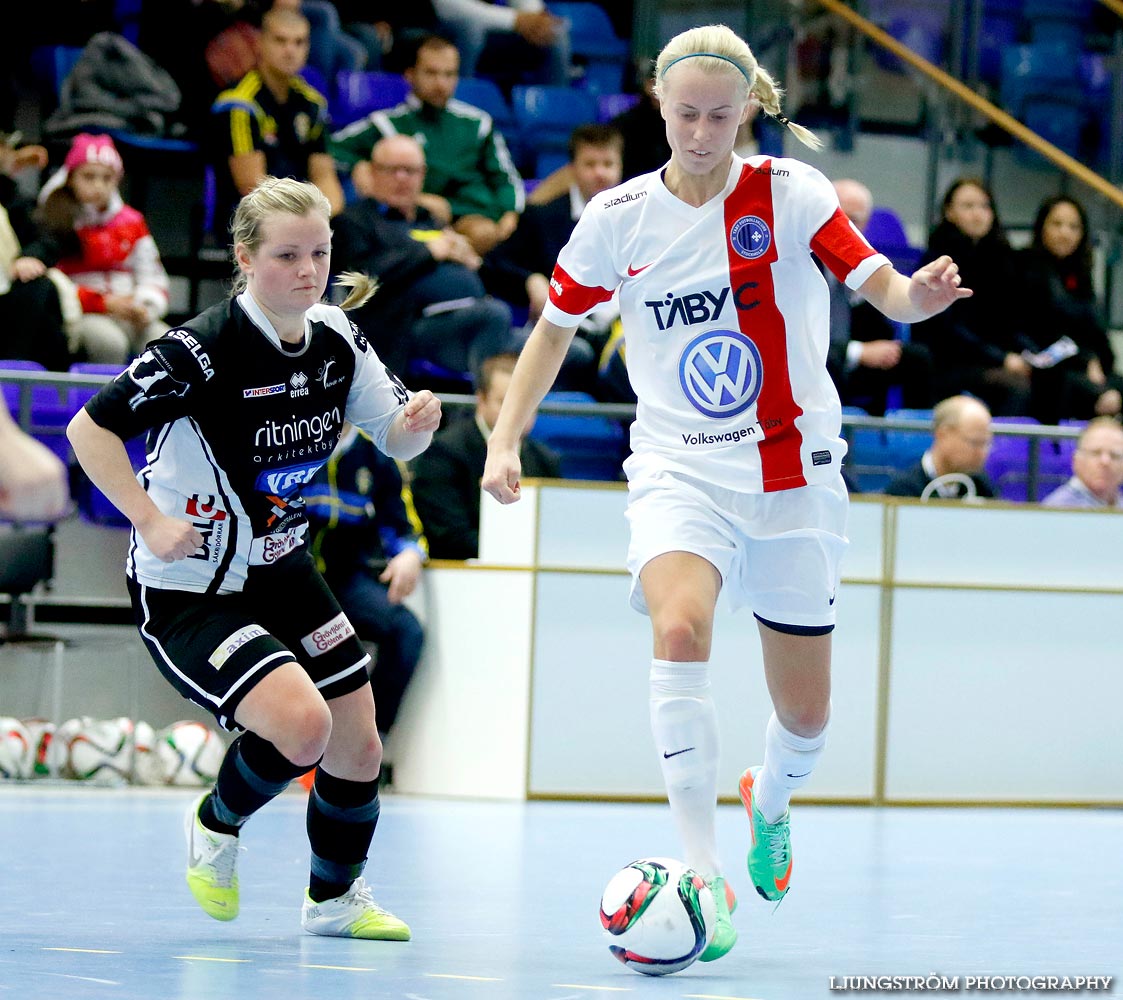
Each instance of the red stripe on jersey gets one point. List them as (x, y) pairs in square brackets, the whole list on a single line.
[(751, 280), (839, 246), (572, 297)]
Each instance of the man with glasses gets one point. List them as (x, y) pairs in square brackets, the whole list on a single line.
[(472, 183), (1097, 468), (952, 468), (432, 304)]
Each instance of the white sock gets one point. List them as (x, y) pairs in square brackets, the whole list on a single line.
[(788, 763), (684, 724)]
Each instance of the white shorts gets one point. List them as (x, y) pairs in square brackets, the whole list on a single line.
[(779, 553)]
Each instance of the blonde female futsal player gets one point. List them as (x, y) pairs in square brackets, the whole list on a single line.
[(734, 478)]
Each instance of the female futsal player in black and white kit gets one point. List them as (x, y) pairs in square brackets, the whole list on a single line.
[(242, 405), (735, 474)]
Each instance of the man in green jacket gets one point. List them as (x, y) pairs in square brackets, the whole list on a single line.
[(471, 183)]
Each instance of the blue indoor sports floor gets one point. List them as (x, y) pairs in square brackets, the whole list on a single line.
[(502, 899)]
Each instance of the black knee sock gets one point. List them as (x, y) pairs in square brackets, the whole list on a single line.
[(342, 816), (253, 772)]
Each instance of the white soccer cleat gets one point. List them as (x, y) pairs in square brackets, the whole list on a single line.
[(355, 914), (212, 859)]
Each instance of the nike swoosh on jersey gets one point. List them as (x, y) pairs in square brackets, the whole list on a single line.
[(667, 756), (632, 274)]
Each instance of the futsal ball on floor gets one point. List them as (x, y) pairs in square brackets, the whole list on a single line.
[(42, 764), (191, 753), (101, 751), (148, 765), (658, 914), (15, 749)]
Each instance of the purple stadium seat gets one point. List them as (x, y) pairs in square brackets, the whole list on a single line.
[(49, 414)]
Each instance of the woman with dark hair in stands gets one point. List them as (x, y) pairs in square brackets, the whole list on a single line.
[(976, 346), (1059, 301)]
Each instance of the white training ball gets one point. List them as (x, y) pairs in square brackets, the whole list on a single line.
[(42, 734), (191, 753), (149, 768), (15, 749), (101, 751), (658, 914)]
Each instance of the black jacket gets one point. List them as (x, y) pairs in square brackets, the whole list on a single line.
[(446, 486)]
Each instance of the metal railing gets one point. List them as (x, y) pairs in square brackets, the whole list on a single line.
[(624, 412)]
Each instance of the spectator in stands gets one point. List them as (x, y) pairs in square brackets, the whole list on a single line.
[(529, 256), (975, 344), (519, 269), (204, 45), (32, 325), (519, 27), (434, 305), (471, 182), (643, 128), (105, 248), (865, 358), (367, 542), (1097, 468), (33, 482), (386, 28), (446, 478), (330, 48), (1058, 301), (952, 467), (272, 122)]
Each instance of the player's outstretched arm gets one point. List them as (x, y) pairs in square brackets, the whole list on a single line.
[(538, 366), (909, 300)]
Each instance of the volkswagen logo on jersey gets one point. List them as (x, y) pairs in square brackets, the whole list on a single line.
[(750, 236), (720, 373)]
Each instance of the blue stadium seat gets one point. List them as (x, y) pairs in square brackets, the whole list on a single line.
[(1039, 70), (868, 458), (594, 44), (49, 414), (886, 233), (51, 65), (998, 31), (924, 30), (1062, 21), (1042, 87), (545, 116), (427, 374), (486, 95), (1007, 465), (611, 105), (357, 93), (93, 505), (905, 448), (591, 447)]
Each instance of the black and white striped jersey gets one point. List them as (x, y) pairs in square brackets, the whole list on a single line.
[(236, 425)]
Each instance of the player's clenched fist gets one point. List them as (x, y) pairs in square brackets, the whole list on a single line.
[(171, 539), (423, 413), (501, 474)]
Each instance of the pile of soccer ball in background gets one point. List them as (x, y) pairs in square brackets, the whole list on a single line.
[(109, 751)]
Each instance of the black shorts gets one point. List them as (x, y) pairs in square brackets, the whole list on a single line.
[(214, 649)]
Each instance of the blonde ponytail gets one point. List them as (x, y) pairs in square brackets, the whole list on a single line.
[(361, 288), (769, 94)]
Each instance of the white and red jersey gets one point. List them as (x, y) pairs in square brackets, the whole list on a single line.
[(726, 318)]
